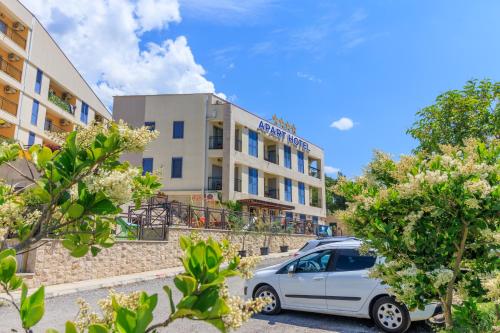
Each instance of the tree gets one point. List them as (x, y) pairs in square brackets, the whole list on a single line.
[(435, 218), (74, 193), (334, 201), (473, 112)]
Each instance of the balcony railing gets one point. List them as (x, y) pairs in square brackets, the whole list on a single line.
[(272, 192), (12, 34), (214, 183), (215, 142), (238, 145), (61, 103), (8, 106), (10, 70), (49, 126), (314, 172), (237, 185), (272, 157)]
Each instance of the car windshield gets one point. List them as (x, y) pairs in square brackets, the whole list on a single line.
[(307, 246)]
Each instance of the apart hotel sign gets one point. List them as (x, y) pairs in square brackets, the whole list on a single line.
[(283, 135)]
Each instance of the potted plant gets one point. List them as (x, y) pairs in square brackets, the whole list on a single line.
[(284, 233), (239, 225), (262, 229)]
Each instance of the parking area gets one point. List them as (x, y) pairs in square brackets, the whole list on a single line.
[(63, 308)]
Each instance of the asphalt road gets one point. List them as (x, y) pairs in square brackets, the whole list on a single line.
[(63, 308)]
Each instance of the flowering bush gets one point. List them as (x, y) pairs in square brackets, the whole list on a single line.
[(74, 193), (435, 218)]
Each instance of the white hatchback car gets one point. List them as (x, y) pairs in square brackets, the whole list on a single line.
[(333, 279)]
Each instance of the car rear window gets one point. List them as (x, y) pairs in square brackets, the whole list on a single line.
[(351, 260)]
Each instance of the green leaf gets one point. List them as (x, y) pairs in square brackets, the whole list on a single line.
[(98, 328), (185, 283), (168, 291), (75, 210), (41, 194), (70, 327), (8, 267), (32, 307), (7, 252), (80, 251), (185, 242), (104, 207), (51, 330), (95, 250), (218, 323)]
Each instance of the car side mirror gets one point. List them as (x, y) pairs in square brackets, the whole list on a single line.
[(291, 269)]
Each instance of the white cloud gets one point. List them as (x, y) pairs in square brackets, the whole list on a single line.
[(103, 37), (309, 77), (343, 124), (331, 170), (228, 11)]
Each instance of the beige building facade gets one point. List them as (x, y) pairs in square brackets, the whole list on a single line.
[(211, 151), (40, 90)]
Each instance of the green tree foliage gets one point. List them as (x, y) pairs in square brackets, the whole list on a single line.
[(334, 201), (435, 218), (473, 112)]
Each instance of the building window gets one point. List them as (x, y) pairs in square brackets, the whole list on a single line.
[(150, 125), (253, 181), (34, 112), (302, 217), (288, 157), (253, 143), (288, 189), (178, 130), (289, 216), (300, 161), (84, 116), (38, 83), (147, 165), (31, 139), (302, 194), (315, 220), (176, 167)]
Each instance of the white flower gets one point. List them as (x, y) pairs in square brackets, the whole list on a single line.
[(480, 187), (117, 185)]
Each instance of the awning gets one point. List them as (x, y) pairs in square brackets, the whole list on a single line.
[(265, 204)]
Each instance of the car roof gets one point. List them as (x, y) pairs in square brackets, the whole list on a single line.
[(351, 243)]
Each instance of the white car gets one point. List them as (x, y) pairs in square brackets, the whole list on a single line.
[(333, 279)]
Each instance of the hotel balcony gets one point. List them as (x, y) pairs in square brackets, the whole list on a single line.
[(7, 130), (8, 99), (271, 155), (214, 183), (62, 99), (237, 185), (215, 142), (314, 197), (55, 124), (271, 187), (11, 64), (314, 168), (14, 30), (238, 143)]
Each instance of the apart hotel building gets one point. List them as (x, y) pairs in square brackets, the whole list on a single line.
[(210, 149), (40, 90)]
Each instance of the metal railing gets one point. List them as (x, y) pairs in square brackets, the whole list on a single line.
[(272, 157), (61, 103), (8, 106), (215, 142), (238, 145), (315, 172), (49, 126), (214, 183), (237, 185), (12, 34), (10, 70), (272, 192), (152, 221)]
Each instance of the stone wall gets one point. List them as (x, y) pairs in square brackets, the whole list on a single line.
[(52, 264)]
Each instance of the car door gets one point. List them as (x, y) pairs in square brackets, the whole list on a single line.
[(305, 287), (348, 285)]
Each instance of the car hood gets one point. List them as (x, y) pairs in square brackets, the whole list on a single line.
[(267, 270)]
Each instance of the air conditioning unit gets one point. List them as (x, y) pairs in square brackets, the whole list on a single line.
[(18, 26), (9, 90), (66, 96), (64, 122), (13, 57)]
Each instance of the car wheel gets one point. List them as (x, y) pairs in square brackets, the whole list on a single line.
[(390, 315), (275, 306)]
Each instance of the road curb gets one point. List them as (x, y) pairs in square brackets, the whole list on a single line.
[(121, 280)]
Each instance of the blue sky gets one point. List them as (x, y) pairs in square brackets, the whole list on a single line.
[(315, 62)]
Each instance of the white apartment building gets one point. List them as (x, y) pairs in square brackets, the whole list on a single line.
[(40, 90), (210, 150)]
